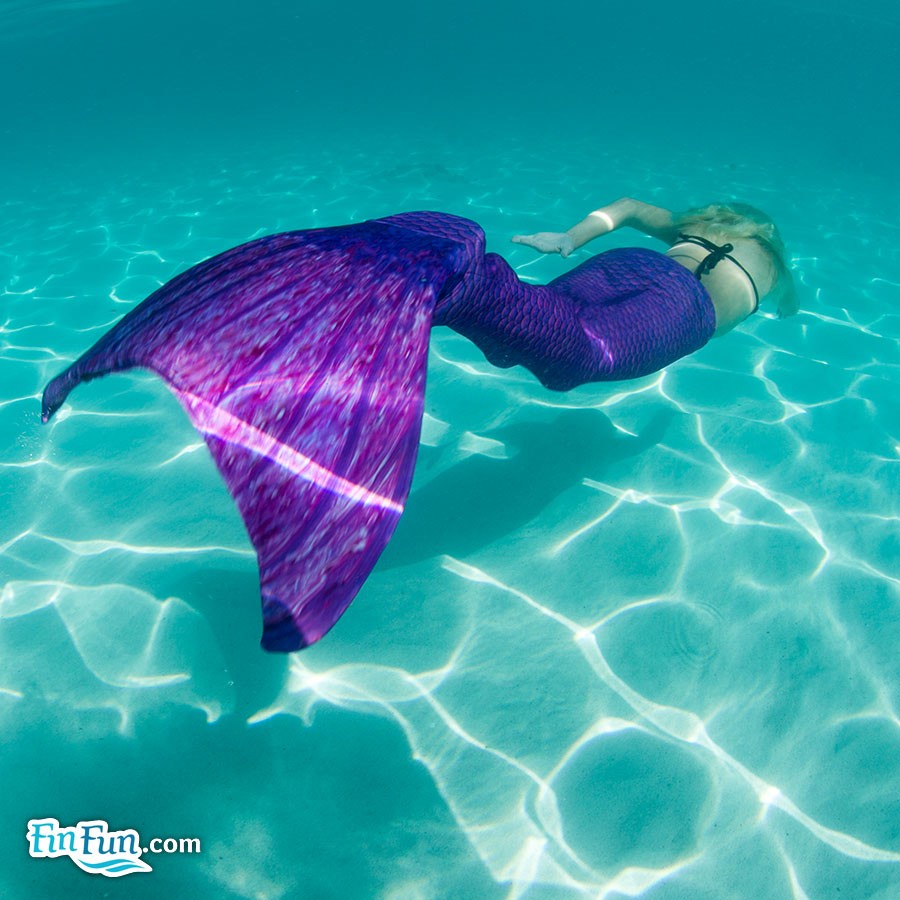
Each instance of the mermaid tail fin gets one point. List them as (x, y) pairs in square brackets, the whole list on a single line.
[(301, 358)]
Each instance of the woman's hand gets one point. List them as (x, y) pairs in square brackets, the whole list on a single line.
[(547, 242)]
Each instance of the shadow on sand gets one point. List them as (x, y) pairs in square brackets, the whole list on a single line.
[(482, 499)]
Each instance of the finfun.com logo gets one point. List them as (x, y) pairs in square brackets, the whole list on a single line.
[(96, 849)]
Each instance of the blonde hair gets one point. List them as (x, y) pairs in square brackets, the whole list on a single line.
[(722, 222)]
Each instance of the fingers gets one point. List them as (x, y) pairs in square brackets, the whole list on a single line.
[(530, 240), (540, 241), (546, 242)]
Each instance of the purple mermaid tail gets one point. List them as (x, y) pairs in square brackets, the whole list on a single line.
[(301, 358)]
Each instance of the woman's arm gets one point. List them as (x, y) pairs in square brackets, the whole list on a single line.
[(651, 220)]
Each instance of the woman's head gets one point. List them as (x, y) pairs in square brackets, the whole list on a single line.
[(721, 222)]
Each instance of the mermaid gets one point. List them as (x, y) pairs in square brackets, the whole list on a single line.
[(301, 359)]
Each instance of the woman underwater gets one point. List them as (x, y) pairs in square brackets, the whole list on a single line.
[(301, 358)]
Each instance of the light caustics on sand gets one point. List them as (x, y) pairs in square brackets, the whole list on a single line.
[(815, 485), (514, 820)]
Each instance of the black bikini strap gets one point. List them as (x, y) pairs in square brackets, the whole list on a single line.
[(714, 257)]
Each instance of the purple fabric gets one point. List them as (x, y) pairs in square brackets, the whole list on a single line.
[(301, 358), (622, 314)]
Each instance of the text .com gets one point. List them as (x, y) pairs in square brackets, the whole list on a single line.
[(97, 850)]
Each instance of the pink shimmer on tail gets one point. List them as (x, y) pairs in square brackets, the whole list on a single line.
[(216, 422)]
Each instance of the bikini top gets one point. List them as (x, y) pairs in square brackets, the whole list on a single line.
[(714, 257)]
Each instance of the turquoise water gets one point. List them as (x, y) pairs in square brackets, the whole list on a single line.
[(639, 639)]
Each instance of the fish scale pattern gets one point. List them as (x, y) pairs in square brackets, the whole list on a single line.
[(619, 315)]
